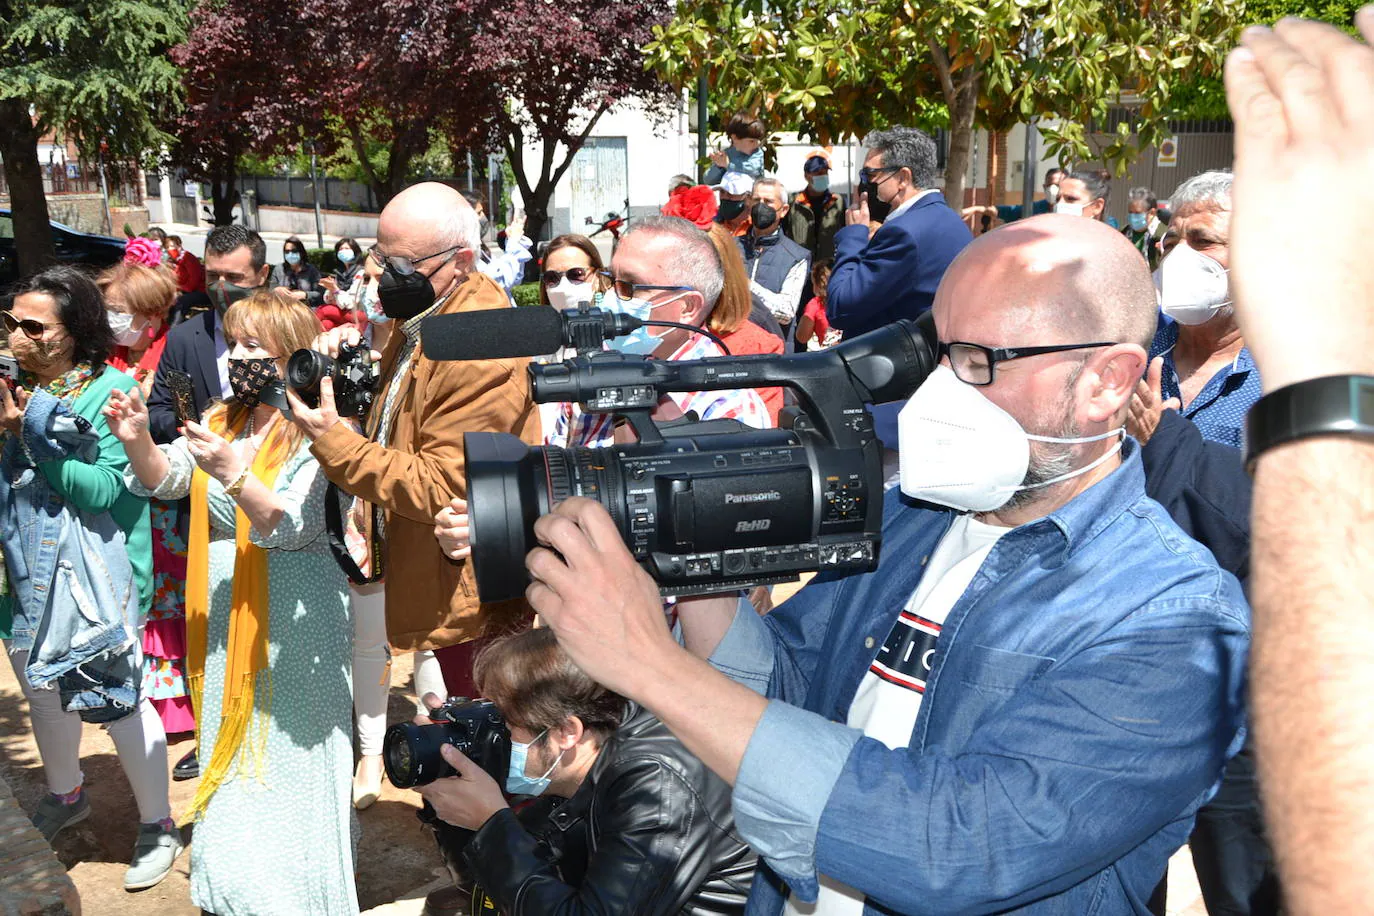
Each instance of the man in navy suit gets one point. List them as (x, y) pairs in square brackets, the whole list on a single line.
[(891, 273), (235, 266)]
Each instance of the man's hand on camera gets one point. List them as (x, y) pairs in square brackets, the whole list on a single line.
[(604, 608), (467, 800), (1302, 96), (314, 421)]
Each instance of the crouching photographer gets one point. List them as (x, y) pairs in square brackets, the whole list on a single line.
[(626, 819)]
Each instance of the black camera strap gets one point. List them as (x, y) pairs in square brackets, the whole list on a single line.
[(338, 544)]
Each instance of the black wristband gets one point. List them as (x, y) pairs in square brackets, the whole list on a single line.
[(1337, 405)]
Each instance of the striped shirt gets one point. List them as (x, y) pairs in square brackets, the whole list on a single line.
[(575, 429)]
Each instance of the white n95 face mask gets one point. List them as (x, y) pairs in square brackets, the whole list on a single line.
[(1193, 287), (958, 449), (567, 294), (1069, 209)]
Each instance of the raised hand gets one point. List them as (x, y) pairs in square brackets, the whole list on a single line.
[(1302, 96), (127, 415)]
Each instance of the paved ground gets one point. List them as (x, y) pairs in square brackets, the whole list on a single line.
[(397, 863)]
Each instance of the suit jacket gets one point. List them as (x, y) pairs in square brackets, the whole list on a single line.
[(431, 601), (191, 349), (894, 274)]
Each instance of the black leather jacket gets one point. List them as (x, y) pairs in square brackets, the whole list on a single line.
[(649, 831)]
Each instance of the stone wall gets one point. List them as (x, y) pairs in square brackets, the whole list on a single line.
[(85, 213), (32, 881)]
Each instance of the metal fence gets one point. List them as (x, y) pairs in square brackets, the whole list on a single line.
[(76, 177), (340, 194)]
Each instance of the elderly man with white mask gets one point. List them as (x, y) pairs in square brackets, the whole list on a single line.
[(1198, 362)]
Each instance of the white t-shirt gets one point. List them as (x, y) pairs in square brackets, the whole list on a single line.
[(889, 697)]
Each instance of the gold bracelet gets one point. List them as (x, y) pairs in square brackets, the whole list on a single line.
[(235, 488)]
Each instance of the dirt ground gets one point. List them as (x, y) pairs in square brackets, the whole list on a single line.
[(395, 856), (397, 861)]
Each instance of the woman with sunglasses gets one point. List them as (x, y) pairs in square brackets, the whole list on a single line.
[(572, 272), (296, 276), (61, 338)]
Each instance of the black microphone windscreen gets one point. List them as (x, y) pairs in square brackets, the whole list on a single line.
[(532, 330)]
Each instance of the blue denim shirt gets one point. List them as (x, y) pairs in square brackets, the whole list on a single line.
[(1220, 407), (1085, 694), (75, 601)]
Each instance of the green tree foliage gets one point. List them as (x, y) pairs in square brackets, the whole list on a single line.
[(94, 71), (836, 68), (1205, 98)]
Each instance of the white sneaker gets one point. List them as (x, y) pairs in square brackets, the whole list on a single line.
[(154, 852)]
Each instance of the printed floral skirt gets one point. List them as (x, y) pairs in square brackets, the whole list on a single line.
[(164, 637)]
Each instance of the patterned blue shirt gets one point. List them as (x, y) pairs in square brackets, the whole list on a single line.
[(1220, 407)]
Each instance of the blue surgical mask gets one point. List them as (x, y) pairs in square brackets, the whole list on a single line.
[(638, 341), (293, 258), (1138, 221), (820, 183), (345, 255), (517, 783)]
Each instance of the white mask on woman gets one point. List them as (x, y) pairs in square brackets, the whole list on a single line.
[(122, 324), (568, 294)]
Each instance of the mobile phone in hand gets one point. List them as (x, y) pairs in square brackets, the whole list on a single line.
[(9, 369), (183, 396)]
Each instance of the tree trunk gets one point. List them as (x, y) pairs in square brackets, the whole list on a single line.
[(537, 210), (28, 205), (224, 194), (961, 118)]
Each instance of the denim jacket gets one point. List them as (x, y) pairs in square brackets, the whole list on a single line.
[(74, 600), (1083, 698)]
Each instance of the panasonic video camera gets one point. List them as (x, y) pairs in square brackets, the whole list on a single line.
[(705, 506)]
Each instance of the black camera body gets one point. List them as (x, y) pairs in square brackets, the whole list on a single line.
[(411, 755), (354, 374), (707, 506)]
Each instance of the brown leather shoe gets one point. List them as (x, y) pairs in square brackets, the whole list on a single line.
[(446, 901)]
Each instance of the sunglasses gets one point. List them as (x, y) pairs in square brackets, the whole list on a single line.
[(866, 176), (33, 330), (574, 275), (624, 289), (402, 265)]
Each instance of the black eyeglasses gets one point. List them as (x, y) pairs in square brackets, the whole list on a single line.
[(403, 265), (574, 275), (973, 363), (867, 175), (32, 328), (624, 289)]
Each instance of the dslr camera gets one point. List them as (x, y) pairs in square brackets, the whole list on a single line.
[(411, 755), (354, 374), (705, 506)]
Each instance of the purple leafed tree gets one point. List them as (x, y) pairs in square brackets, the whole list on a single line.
[(245, 92), (558, 69)]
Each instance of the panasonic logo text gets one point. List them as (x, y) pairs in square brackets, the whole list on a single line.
[(768, 496)]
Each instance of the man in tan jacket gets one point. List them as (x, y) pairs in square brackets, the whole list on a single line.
[(409, 463)]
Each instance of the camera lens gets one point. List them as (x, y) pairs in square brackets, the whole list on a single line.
[(410, 753), (510, 485), (305, 368), (398, 757)]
